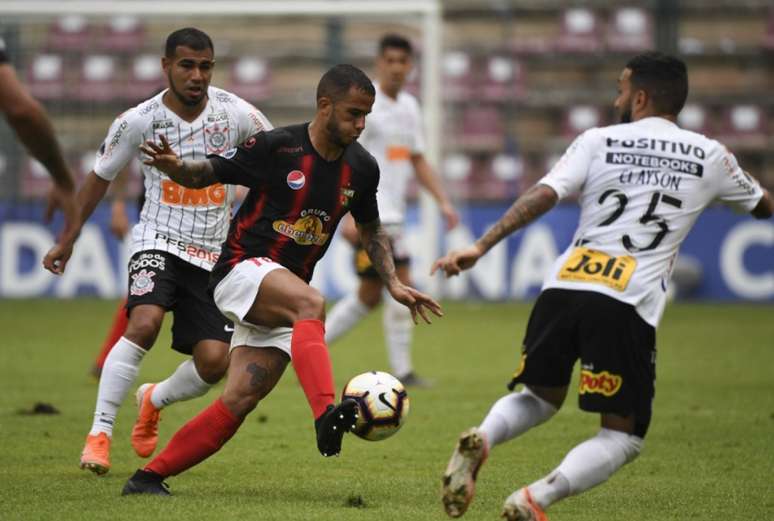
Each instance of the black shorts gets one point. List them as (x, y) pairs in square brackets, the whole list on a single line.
[(616, 347), (160, 278), (365, 269)]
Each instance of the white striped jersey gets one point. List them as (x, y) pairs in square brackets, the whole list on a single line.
[(189, 223), (642, 186), (393, 133)]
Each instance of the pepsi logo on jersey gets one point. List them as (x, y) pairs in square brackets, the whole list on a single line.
[(296, 180)]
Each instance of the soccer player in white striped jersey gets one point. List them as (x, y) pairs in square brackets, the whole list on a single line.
[(395, 138), (174, 245), (642, 183)]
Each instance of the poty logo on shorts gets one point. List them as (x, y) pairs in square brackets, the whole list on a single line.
[(603, 383), (296, 180)]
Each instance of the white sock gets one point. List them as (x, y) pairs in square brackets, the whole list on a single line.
[(118, 376), (398, 330), (514, 414), (587, 465), (184, 384), (343, 316)]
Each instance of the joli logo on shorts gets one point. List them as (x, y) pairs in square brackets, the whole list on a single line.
[(603, 383)]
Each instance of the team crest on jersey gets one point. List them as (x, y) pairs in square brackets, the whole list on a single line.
[(306, 231), (296, 180), (346, 195), (216, 139), (142, 283)]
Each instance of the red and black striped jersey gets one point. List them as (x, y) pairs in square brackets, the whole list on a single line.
[(296, 198)]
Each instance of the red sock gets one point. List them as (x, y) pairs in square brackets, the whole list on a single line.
[(313, 364), (120, 321), (196, 441)]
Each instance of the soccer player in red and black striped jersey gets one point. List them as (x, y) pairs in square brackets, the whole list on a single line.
[(303, 179)]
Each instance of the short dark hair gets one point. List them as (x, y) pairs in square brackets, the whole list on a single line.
[(335, 83), (663, 77), (187, 37), (395, 41)]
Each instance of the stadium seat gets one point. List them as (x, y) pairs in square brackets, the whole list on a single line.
[(500, 177), (579, 32), (579, 118), (743, 126), (70, 33), (630, 30), (35, 181), (694, 117), (768, 38), (45, 77), (482, 128), (457, 69), (503, 79), (251, 78), (123, 34), (457, 170), (145, 78), (97, 79)]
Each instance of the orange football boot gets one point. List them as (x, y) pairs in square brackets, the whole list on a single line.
[(521, 507), (145, 433), (96, 454)]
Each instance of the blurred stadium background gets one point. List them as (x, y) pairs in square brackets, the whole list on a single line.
[(506, 85)]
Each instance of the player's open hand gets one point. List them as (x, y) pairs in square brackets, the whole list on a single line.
[(457, 261), (161, 156), (416, 301), (57, 257)]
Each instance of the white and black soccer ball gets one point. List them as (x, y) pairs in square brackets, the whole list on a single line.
[(382, 401)]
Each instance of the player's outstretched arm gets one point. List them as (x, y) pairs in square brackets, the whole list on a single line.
[(534, 203), (376, 243), (91, 193), (191, 174)]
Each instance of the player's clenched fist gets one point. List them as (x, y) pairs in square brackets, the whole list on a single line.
[(57, 257)]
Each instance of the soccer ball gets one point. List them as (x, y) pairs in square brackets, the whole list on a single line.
[(382, 404)]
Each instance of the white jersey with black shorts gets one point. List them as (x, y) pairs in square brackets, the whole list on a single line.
[(178, 237), (642, 186)]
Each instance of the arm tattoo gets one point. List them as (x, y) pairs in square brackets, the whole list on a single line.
[(534, 203), (259, 375), (195, 174), (376, 243)]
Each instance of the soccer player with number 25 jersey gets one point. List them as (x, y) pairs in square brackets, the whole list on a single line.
[(642, 183)]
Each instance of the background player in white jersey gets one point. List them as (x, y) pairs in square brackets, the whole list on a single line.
[(174, 245), (28, 119), (643, 184), (394, 137)]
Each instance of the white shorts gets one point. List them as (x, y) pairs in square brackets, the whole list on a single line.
[(235, 294)]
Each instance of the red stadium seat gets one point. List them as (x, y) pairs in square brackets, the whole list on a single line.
[(97, 80), (123, 34), (580, 31), (696, 118), (768, 38), (743, 126), (45, 77), (630, 30), (482, 128), (70, 33), (457, 173), (503, 79), (251, 78), (579, 118), (457, 69), (145, 78)]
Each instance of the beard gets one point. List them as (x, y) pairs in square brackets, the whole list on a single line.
[(189, 102), (335, 135)]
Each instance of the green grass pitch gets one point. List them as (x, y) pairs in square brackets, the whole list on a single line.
[(709, 453)]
